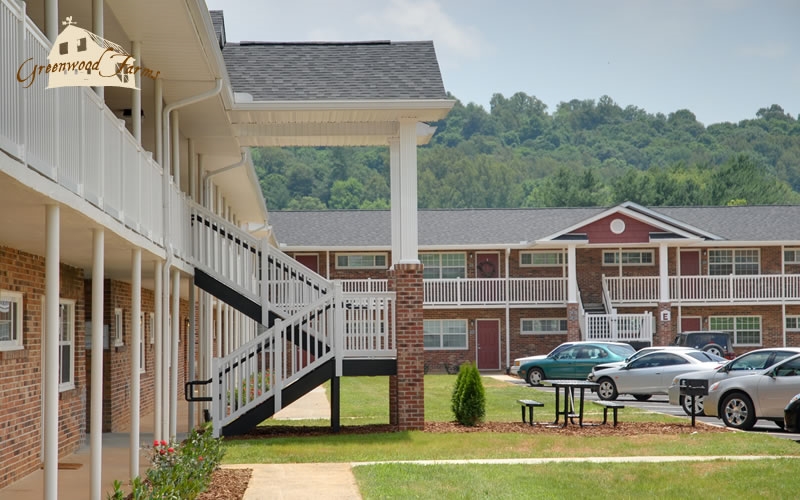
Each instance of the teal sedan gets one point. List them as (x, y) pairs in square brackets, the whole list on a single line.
[(574, 362)]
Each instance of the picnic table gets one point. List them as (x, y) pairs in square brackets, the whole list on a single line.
[(569, 410)]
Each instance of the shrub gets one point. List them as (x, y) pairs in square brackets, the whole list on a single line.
[(177, 470), (469, 399)]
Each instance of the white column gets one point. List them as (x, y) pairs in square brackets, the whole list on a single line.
[(97, 29), (158, 98), (190, 338), (408, 193), (136, 357), (193, 172), (166, 345), (396, 200), (50, 369), (159, 347), (96, 405), (663, 273), (176, 321), (51, 19), (572, 275), (176, 148), (136, 95)]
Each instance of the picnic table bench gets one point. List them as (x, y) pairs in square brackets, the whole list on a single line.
[(613, 405), (530, 404)]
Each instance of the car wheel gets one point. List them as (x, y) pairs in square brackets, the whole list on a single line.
[(642, 397), (686, 404), (737, 411), (535, 376), (607, 390), (715, 350)]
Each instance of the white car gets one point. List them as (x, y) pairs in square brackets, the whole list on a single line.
[(651, 373), (740, 401), (747, 364), (514, 368), (641, 352)]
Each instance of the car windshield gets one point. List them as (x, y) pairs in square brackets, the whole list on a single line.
[(705, 356)]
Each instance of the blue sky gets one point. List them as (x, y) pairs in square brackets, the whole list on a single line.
[(721, 59)]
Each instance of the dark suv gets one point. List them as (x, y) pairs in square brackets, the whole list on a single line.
[(719, 343)]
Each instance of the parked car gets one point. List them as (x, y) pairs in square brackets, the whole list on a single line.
[(650, 374), (641, 352), (514, 368), (740, 401), (791, 415), (719, 343), (574, 362), (746, 364)]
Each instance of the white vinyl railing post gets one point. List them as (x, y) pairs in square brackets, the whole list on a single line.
[(277, 375), (338, 326), (216, 397)]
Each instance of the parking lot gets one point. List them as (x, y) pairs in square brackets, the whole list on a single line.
[(660, 404)]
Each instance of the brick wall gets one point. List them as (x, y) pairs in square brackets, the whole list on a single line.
[(21, 375)]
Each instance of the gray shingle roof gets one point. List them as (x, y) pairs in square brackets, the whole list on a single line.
[(334, 71), (218, 20), (501, 227)]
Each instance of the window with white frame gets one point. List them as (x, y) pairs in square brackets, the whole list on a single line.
[(793, 323), (361, 261), (628, 258), (742, 261), (542, 259), (746, 330), (530, 326), (152, 326), (445, 333), (791, 255), (66, 345), (10, 320), (118, 326), (443, 265), (142, 350)]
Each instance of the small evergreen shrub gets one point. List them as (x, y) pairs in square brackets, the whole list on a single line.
[(468, 401)]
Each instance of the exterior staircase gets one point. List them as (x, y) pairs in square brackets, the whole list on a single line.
[(308, 330)]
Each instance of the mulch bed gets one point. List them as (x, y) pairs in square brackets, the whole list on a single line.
[(227, 484)]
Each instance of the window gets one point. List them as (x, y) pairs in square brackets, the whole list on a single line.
[(629, 258), (118, 326), (141, 343), (361, 261), (746, 330), (542, 259), (443, 265), (152, 326), (543, 326), (793, 323), (791, 256), (10, 320), (445, 333), (725, 262), (66, 345)]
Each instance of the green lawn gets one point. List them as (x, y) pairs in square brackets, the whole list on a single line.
[(365, 401)]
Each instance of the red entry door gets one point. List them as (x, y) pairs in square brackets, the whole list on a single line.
[(488, 343), (487, 265), (310, 261), (691, 324), (690, 262)]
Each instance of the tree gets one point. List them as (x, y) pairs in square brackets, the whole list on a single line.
[(468, 400)]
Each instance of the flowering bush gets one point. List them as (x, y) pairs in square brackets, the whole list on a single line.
[(178, 471)]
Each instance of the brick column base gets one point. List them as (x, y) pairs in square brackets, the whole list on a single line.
[(573, 322), (407, 388), (664, 330)]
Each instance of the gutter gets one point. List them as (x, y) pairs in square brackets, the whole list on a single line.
[(208, 175)]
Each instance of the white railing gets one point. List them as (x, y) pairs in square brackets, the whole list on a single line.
[(68, 134), (706, 289), (369, 324), (290, 285), (619, 327), (365, 285), (492, 291)]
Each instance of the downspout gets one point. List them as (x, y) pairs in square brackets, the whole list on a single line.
[(165, 178), (208, 175)]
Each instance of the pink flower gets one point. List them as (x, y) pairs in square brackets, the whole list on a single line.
[(162, 451), (155, 443), (163, 443), (171, 450), (200, 458)]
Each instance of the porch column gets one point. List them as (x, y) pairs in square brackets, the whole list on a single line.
[(136, 95), (136, 357), (406, 389), (573, 309), (663, 332), (394, 182), (50, 369), (51, 19), (166, 329), (176, 149), (97, 29), (190, 337), (406, 196), (176, 321), (96, 402), (159, 363)]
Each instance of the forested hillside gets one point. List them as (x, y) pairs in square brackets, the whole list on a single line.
[(585, 153)]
